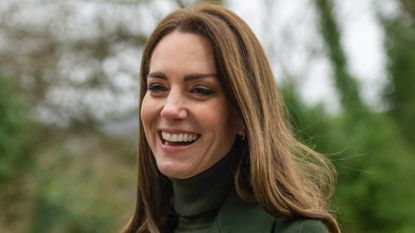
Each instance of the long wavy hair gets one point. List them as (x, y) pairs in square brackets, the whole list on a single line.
[(275, 170)]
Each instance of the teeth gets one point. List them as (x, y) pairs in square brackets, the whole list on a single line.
[(178, 137)]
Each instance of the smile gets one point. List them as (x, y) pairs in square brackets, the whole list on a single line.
[(178, 138)]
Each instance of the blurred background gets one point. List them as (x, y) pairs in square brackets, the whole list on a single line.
[(68, 104)]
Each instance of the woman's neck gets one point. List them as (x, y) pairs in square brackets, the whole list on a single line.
[(204, 192)]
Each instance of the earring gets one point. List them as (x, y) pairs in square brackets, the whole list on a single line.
[(243, 136)]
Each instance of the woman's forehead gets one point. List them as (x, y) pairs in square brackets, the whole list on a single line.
[(183, 52)]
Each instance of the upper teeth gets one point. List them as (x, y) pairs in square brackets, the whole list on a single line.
[(178, 137)]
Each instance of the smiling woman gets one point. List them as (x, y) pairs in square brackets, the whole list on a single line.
[(184, 100), (215, 150)]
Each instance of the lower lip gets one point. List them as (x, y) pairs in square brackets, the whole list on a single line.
[(173, 149)]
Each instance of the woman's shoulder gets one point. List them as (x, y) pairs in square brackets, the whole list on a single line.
[(239, 216), (302, 225)]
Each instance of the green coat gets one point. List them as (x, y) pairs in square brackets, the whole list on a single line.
[(237, 216)]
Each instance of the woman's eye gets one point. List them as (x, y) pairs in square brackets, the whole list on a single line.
[(156, 88), (202, 91)]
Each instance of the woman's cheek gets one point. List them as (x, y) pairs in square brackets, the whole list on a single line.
[(146, 112)]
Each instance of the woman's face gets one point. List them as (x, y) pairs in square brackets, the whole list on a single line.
[(188, 122)]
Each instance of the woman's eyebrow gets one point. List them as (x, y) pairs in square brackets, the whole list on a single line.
[(157, 74), (188, 77), (199, 76)]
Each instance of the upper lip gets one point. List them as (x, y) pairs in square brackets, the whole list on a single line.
[(172, 130)]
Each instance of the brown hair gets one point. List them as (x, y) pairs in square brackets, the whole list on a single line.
[(275, 170)]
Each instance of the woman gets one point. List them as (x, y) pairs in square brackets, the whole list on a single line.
[(215, 150)]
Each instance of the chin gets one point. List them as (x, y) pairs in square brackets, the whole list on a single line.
[(172, 170)]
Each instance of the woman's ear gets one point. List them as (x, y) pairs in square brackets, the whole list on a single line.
[(241, 131)]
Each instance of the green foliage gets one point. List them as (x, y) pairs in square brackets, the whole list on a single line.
[(61, 202), (54, 181), (373, 160), (399, 40), (15, 131), (376, 157), (375, 180), (80, 188), (344, 82)]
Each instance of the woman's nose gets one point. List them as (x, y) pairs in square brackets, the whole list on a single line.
[(173, 108)]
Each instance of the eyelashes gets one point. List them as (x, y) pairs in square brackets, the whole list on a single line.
[(198, 91), (202, 91), (156, 88)]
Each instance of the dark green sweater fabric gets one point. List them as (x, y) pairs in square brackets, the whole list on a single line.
[(197, 200), (207, 203)]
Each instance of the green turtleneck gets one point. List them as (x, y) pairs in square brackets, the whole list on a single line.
[(197, 200)]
